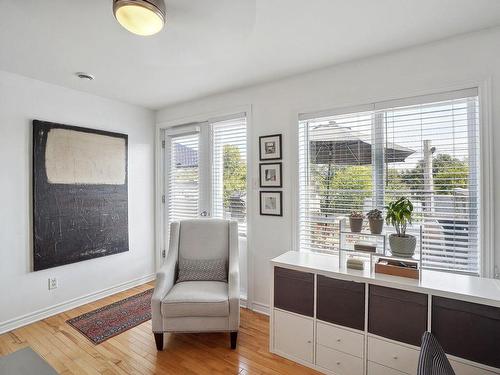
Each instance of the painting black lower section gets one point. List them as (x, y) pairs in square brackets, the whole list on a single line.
[(74, 222)]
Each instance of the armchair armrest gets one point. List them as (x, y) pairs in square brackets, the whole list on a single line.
[(165, 279), (234, 277)]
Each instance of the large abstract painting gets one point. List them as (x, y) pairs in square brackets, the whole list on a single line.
[(80, 199)]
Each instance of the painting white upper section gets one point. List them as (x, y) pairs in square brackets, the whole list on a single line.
[(218, 45), (74, 157)]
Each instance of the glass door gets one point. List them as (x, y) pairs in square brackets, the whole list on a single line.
[(184, 193), (205, 175), (206, 171)]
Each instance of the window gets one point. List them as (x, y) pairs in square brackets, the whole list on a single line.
[(229, 171), (426, 148), (207, 170)]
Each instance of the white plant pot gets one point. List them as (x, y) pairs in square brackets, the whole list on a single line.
[(402, 246)]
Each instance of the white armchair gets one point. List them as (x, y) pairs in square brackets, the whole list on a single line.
[(199, 305)]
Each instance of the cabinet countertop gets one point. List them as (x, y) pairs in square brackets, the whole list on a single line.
[(444, 284)]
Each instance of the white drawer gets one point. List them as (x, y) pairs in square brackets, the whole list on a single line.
[(340, 339), (338, 362), (376, 369), (465, 369), (293, 335), (392, 355)]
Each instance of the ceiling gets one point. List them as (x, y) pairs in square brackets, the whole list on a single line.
[(217, 45)]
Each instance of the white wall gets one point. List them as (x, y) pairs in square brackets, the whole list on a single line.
[(21, 290), (275, 106)]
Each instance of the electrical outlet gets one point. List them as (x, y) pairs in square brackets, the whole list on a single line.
[(52, 283)]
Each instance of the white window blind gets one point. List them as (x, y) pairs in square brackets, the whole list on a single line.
[(183, 177), (425, 150), (229, 170)]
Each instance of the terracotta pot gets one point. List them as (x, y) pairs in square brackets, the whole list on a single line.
[(402, 246), (376, 225), (356, 224)]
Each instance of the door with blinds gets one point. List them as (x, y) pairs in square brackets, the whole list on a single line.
[(183, 174), (206, 171)]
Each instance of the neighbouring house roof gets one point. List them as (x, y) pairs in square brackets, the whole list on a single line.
[(185, 156)]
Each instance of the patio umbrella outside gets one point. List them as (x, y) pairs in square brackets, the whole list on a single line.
[(349, 149)]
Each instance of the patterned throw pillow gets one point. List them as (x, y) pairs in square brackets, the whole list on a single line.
[(202, 270)]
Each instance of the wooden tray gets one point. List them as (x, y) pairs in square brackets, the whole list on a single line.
[(390, 267)]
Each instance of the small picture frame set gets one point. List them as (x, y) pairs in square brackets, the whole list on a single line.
[(270, 175)]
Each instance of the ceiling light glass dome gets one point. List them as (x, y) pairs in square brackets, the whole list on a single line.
[(141, 17)]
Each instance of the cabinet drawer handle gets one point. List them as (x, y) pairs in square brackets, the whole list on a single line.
[(309, 341), (395, 357), (338, 363), (338, 340)]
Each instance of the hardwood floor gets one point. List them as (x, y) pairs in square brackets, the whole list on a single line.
[(134, 351)]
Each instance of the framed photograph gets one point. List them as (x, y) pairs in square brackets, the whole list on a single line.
[(270, 147), (271, 203), (270, 175)]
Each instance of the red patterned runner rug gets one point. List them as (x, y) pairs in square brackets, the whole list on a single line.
[(111, 320)]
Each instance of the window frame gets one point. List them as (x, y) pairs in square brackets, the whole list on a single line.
[(486, 189)]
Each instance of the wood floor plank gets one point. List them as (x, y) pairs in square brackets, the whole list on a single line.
[(134, 351)]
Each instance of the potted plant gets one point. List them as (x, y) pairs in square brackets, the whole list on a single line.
[(356, 221), (399, 215), (375, 220)]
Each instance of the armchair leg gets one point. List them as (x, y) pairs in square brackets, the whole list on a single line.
[(159, 341), (234, 337)]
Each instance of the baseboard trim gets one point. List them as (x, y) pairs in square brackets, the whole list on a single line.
[(35, 316), (243, 302), (261, 308)]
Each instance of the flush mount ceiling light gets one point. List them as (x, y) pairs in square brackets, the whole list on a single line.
[(141, 17)]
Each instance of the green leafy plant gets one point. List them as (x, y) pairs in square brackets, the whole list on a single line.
[(399, 215), (374, 214), (356, 215)]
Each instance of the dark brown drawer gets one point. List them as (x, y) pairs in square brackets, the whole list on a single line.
[(341, 302), (294, 291), (467, 330), (397, 314)]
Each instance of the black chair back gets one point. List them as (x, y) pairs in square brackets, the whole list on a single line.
[(433, 360)]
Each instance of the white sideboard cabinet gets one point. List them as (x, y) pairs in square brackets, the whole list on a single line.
[(350, 322)]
